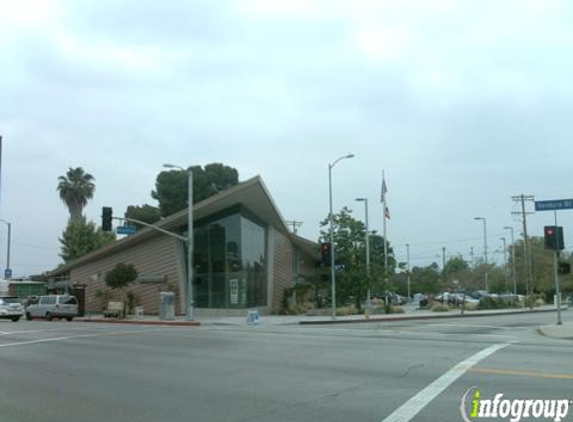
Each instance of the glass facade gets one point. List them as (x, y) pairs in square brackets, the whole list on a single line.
[(230, 262)]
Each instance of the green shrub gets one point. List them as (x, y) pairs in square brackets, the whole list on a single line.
[(438, 307), (470, 306), (346, 310), (487, 303), (396, 310)]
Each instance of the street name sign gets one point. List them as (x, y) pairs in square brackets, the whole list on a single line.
[(554, 205), (128, 230)]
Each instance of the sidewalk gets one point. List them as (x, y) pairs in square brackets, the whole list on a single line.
[(563, 332), (272, 320)]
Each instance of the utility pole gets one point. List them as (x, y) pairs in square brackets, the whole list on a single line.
[(521, 199), (295, 225), (513, 273), (472, 255)]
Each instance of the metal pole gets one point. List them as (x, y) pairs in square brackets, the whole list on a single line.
[(385, 233), (332, 249), (189, 316), (485, 253), (408, 269), (367, 251), (444, 264), (332, 271), (8, 245), (504, 261), (556, 269), (8, 248), (189, 308)]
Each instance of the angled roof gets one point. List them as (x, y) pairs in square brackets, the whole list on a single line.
[(252, 193)]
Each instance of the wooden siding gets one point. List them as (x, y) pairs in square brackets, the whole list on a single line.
[(157, 257), (282, 268)]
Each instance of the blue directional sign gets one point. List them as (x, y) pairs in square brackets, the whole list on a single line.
[(554, 205), (8, 273), (128, 230)]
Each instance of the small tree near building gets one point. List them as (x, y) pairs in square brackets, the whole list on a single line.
[(120, 277)]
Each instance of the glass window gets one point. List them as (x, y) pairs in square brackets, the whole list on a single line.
[(230, 263), (68, 300)]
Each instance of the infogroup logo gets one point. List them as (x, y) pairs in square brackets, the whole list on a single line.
[(475, 407)]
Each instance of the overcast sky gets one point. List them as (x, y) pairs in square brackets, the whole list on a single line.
[(462, 103)]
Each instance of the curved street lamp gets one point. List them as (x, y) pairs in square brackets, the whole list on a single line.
[(189, 305), (332, 271)]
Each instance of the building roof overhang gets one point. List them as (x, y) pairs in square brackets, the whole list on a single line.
[(252, 194)]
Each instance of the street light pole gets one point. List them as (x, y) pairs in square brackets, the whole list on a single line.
[(367, 240), (504, 260), (7, 272), (484, 249), (189, 305), (408, 269), (332, 249)]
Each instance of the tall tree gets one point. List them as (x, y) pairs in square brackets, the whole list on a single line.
[(75, 189), (350, 251), (146, 213), (81, 237), (171, 187)]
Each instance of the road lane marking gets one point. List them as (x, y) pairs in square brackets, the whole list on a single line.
[(413, 406), (469, 326), (491, 371), (63, 338)]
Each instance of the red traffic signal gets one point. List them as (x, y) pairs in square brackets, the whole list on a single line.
[(553, 238), (325, 252)]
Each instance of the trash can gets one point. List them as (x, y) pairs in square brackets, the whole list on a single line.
[(166, 306)]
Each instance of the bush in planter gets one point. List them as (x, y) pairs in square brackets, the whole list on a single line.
[(396, 310), (438, 307), (346, 310)]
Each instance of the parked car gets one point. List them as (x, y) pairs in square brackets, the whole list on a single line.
[(11, 308), (53, 306)]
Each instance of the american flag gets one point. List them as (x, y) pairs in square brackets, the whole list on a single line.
[(383, 198)]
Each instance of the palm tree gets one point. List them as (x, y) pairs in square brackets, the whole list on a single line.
[(75, 188)]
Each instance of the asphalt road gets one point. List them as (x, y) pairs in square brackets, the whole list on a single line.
[(374, 372)]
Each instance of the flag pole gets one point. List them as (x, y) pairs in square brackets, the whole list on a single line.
[(385, 212)]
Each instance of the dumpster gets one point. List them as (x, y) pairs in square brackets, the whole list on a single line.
[(166, 306)]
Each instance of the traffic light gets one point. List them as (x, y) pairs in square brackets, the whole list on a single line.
[(325, 252), (106, 215), (553, 236), (564, 268)]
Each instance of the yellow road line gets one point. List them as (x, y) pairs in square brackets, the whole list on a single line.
[(492, 371)]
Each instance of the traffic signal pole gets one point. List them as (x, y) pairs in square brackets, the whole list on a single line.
[(556, 268)]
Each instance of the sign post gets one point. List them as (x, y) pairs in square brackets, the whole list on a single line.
[(555, 205)]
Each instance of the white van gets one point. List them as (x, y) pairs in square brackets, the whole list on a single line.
[(53, 306)]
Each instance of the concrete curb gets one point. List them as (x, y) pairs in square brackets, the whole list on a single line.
[(471, 314), (560, 332), (135, 322)]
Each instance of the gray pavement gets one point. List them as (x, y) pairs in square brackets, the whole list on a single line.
[(564, 331), (274, 371)]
